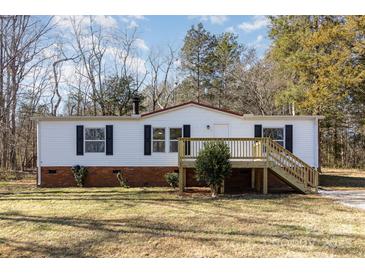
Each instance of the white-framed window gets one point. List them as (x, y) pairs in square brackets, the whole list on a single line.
[(276, 134), (175, 134), (158, 142), (95, 139)]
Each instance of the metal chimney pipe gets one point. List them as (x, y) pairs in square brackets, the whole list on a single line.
[(135, 101)]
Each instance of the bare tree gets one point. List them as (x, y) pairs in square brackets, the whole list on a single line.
[(30, 104), (21, 42), (126, 58), (78, 99), (59, 59), (162, 79), (89, 46), (257, 84)]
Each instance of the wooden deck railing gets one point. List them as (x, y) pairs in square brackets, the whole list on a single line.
[(240, 148), (255, 149)]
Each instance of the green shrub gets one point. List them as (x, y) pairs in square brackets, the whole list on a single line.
[(122, 181), (212, 165), (80, 173), (172, 179)]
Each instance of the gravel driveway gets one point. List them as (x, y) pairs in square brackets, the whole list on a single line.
[(353, 198)]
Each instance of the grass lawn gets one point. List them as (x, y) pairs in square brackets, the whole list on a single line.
[(342, 179), (157, 222)]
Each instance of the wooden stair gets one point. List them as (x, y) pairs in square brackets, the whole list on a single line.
[(289, 179), (294, 171)]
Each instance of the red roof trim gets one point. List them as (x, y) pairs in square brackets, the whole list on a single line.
[(193, 103)]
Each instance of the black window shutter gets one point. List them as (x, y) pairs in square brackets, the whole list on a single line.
[(147, 139), (187, 133), (258, 131), (289, 137), (109, 139), (79, 140)]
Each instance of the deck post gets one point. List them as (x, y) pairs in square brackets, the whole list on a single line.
[(316, 179), (184, 178), (181, 179), (265, 181), (181, 169), (252, 178), (306, 178), (258, 179), (268, 151)]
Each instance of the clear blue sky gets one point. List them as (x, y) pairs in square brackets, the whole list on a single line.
[(157, 31)]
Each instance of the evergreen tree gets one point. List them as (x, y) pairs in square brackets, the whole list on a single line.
[(196, 58), (226, 58), (322, 59), (118, 95)]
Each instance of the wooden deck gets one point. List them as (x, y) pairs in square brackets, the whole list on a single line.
[(254, 153)]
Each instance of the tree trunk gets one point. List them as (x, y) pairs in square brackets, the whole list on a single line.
[(215, 190)]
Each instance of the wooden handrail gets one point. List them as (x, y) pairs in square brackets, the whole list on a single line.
[(255, 148), (279, 147), (297, 167)]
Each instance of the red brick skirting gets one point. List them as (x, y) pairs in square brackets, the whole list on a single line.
[(106, 176), (238, 181)]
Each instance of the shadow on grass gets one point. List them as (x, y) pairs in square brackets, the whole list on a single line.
[(108, 231), (327, 180), (88, 190), (137, 194)]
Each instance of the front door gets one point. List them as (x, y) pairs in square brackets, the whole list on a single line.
[(221, 130)]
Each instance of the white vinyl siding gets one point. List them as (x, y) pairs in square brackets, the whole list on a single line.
[(58, 138)]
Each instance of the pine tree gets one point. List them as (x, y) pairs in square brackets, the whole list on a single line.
[(322, 59), (226, 58), (196, 57)]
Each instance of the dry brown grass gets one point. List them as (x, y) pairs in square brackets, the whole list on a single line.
[(342, 179), (157, 222)]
